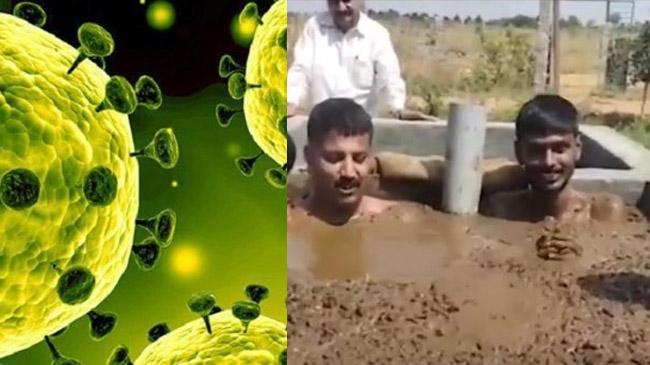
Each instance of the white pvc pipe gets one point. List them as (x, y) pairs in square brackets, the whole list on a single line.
[(464, 153)]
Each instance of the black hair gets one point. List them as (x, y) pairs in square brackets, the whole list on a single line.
[(546, 114), (291, 153), (341, 115)]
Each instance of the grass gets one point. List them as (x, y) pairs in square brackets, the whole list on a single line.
[(442, 63), (450, 50), (639, 131)]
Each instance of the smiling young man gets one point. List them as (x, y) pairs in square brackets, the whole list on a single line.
[(548, 147), (340, 162)]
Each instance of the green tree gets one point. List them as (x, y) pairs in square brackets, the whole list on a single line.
[(573, 22), (507, 59), (640, 60)]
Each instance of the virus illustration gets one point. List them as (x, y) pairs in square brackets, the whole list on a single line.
[(262, 85), (68, 180), (237, 336)]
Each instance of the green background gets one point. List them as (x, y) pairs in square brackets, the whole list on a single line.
[(235, 225)]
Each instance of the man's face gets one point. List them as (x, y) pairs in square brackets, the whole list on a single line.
[(339, 166), (549, 160), (345, 13)]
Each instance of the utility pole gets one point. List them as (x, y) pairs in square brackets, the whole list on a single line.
[(555, 52), (604, 47), (543, 47), (547, 50)]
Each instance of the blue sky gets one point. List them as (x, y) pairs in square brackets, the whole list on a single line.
[(488, 9)]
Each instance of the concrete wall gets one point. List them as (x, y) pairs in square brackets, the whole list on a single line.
[(610, 162)]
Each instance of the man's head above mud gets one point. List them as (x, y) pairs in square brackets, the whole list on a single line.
[(345, 13), (338, 152), (548, 143)]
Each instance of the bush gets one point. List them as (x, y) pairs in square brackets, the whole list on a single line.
[(429, 91), (640, 60), (639, 131), (507, 60)]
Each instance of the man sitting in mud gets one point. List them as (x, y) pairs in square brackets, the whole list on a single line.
[(548, 146), (339, 162)]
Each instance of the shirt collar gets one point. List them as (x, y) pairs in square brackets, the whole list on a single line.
[(325, 19)]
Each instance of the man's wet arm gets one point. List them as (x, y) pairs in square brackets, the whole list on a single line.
[(499, 174)]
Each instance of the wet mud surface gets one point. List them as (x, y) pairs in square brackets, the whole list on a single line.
[(414, 286)]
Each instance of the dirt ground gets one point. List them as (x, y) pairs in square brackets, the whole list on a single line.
[(581, 88), (414, 286)]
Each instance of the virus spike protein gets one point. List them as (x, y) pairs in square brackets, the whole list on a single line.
[(262, 87)]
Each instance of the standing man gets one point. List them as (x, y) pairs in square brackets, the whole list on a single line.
[(345, 54)]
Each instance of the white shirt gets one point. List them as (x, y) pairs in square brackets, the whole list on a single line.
[(360, 64)]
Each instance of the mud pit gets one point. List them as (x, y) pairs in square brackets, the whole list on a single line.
[(414, 286)]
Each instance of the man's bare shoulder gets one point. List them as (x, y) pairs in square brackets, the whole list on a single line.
[(509, 195), (505, 204), (373, 205), (296, 211), (607, 207), (369, 204), (405, 212)]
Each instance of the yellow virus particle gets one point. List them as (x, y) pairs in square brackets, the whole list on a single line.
[(193, 345), (68, 180), (161, 15), (233, 149), (262, 85), (186, 261), (242, 32), (237, 336)]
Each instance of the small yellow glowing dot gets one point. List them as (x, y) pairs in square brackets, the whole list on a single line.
[(174, 184), (186, 261), (142, 2), (161, 15), (242, 32), (233, 150), (248, 27)]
